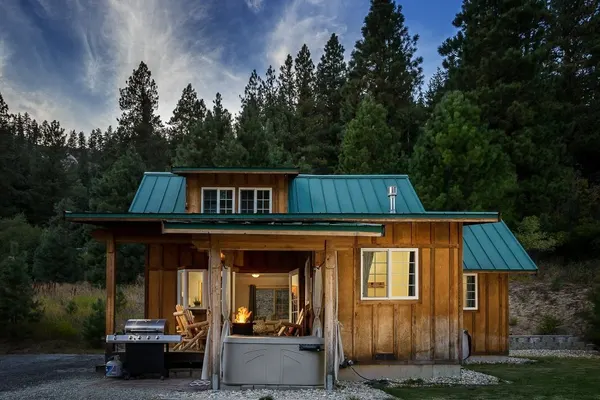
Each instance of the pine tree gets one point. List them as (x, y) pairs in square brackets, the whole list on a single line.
[(139, 124), (456, 166), (228, 152), (189, 112), (304, 132), (435, 89), (250, 123), (286, 87), (17, 298), (330, 80), (368, 146), (500, 58), (384, 66)]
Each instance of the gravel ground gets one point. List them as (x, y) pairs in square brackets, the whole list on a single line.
[(467, 377), (496, 360), (555, 353)]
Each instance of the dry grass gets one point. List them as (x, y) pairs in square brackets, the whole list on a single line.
[(66, 306)]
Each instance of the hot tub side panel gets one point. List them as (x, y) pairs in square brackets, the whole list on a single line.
[(426, 330)]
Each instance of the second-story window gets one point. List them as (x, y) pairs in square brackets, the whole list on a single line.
[(255, 201), (217, 200)]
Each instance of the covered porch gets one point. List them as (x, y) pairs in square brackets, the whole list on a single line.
[(228, 254)]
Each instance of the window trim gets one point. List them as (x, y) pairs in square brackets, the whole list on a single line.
[(218, 189), (183, 287), (255, 189), (389, 250), (476, 294)]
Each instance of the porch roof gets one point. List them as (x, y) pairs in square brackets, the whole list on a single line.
[(277, 228)]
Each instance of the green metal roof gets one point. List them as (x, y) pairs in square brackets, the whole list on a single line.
[(330, 217), (364, 194), (183, 170), (374, 229), (159, 192), (493, 247)]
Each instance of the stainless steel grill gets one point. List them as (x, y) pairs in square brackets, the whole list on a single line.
[(144, 330), (145, 343)]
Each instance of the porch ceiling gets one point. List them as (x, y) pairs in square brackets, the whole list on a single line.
[(277, 228)]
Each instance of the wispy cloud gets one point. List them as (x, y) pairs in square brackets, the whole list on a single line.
[(254, 5), (305, 21), (112, 37)]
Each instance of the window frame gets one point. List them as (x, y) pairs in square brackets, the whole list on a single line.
[(183, 288), (476, 293), (255, 189), (389, 251), (218, 189)]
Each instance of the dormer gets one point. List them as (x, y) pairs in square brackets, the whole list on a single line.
[(236, 190)]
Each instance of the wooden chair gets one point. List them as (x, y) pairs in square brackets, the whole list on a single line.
[(192, 332), (291, 329)]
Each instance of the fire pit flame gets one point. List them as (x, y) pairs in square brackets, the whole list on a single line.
[(242, 316)]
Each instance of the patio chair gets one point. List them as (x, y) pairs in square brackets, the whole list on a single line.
[(192, 333), (291, 329)]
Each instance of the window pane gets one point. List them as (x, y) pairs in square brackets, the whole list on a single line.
[(403, 272), (194, 289), (375, 274), (470, 291), (210, 201), (226, 201), (247, 201), (282, 299), (263, 200)]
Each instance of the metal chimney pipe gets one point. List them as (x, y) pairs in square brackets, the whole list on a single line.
[(392, 193)]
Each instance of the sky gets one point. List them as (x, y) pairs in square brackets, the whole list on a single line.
[(67, 59)]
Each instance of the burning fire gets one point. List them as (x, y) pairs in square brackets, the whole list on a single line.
[(242, 316)]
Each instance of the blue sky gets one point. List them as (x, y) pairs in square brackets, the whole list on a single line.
[(66, 59)]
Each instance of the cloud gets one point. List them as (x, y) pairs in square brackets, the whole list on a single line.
[(305, 21), (110, 38), (254, 5)]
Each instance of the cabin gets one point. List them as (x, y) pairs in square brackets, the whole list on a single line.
[(353, 260)]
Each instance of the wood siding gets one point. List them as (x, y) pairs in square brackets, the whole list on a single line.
[(162, 262), (425, 330), (278, 183), (488, 325)]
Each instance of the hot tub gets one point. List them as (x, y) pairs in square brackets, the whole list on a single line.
[(273, 361)]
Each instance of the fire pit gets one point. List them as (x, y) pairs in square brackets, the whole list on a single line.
[(241, 324)]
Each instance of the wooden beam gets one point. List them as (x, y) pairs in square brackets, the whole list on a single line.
[(269, 242), (111, 284), (215, 314), (330, 317), (269, 232)]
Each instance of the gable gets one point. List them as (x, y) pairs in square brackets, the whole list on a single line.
[(349, 194)]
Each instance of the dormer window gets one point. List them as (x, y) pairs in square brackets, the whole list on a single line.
[(255, 201), (217, 200)]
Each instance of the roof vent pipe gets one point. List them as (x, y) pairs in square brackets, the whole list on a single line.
[(392, 193)]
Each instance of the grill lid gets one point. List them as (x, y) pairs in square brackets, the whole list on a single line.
[(146, 326)]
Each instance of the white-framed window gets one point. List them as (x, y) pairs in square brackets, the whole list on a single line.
[(255, 201), (470, 292), (192, 287), (218, 200), (389, 274)]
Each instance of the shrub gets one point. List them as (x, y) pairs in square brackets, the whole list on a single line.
[(71, 307), (94, 324), (548, 325), (266, 398), (513, 321), (17, 302)]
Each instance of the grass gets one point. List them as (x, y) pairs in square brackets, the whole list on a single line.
[(65, 307), (549, 378)]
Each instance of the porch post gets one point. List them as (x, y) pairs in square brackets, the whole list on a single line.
[(215, 292), (111, 284), (329, 321)]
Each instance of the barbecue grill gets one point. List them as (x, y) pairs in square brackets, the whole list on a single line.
[(145, 343)]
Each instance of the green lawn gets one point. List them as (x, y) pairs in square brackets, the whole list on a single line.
[(549, 378)]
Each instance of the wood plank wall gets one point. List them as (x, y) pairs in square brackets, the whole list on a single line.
[(488, 325), (162, 262), (414, 331), (279, 184)]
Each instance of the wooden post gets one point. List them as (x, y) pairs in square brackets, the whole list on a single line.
[(111, 284), (215, 292), (330, 317)]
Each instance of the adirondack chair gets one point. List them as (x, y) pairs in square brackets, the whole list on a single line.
[(192, 332), (291, 329)]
